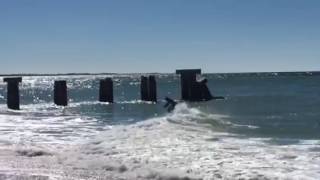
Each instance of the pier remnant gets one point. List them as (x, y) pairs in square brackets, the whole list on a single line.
[(191, 89), (106, 90), (144, 88), (60, 93), (152, 89), (188, 79), (148, 88), (13, 95)]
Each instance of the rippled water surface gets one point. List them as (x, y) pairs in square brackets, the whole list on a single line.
[(267, 127)]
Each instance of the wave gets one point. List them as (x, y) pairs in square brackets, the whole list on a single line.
[(179, 145), (185, 115), (182, 145)]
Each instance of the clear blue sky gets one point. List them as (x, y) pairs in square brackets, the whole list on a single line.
[(51, 36)]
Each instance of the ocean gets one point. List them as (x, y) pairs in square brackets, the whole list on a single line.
[(268, 127)]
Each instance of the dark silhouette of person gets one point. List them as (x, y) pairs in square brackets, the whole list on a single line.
[(170, 104)]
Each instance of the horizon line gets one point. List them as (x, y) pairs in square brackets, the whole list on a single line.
[(104, 73)]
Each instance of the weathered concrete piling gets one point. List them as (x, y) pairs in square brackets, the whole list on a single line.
[(191, 89), (188, 79), (144, 88), (106, 90), (60, 93), (13, 95), (152, 89), (148, 88)]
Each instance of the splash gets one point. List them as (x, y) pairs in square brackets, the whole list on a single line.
[(177, 146), (185, 115)]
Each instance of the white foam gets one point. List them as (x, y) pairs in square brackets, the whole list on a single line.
[(44, 123), (179, 145), (193, 151)]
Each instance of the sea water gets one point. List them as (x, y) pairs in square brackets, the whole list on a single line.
[(268, 127)]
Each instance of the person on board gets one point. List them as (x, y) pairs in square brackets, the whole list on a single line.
[(170, 104)]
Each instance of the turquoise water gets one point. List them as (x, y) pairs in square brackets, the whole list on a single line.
[(263, 118)]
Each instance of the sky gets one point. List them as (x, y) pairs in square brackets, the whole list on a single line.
[(125, 36)]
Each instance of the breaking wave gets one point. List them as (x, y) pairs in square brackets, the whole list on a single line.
[(183, 145)]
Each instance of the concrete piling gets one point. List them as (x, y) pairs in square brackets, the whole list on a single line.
[(191, 89), (13, 95), (148, 88), (106, 90), (60, 93), (188, 83), (144, 88), (152, 89)]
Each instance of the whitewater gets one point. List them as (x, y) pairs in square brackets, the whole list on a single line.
[(267, 128)]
